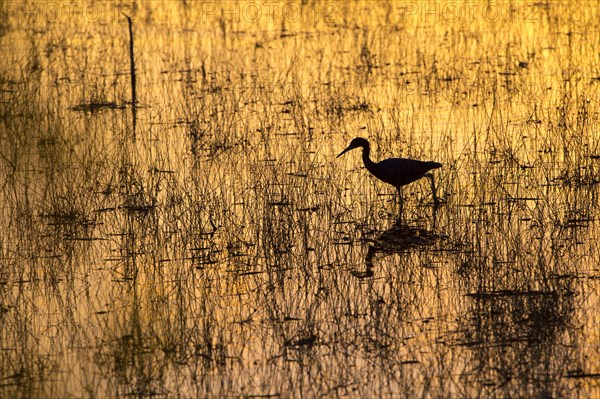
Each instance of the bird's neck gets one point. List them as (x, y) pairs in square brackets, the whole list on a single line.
[(365, 156)]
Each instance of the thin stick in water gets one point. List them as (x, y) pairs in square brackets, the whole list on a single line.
[(131, 62)]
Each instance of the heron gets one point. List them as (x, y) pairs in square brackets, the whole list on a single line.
[(395, 171)]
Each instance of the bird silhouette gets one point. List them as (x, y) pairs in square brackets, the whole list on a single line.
[(395, 171)]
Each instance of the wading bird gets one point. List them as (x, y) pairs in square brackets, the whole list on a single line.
[(395, 171)]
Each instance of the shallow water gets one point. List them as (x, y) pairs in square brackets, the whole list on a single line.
[(216, 247)]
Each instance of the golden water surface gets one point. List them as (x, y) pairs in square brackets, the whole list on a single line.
[(202, 240)]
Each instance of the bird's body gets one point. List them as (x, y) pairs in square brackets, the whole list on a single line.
[(395, 171)]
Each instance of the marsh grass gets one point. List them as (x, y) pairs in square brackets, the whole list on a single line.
[(223, 251)]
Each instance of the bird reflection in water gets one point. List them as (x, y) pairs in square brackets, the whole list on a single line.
[(399, 238)]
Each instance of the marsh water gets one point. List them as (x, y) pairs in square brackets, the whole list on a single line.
[(204, 241)]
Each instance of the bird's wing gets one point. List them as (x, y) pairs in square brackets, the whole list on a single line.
[(401, 171)]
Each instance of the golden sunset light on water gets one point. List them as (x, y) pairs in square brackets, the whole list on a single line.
[(368, 199)]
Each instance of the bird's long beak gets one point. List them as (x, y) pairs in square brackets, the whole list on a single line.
[(345, 151)]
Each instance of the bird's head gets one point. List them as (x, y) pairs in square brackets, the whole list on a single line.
[(355, 143)]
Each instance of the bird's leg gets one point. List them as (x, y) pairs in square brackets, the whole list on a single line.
[(400, 202), (436, 202), (434, 215)]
